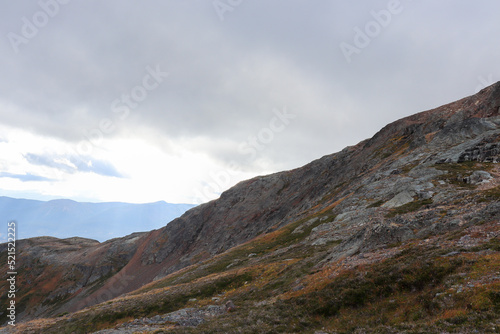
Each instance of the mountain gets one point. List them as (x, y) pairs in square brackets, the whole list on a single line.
[(397, 234), (65, 218)]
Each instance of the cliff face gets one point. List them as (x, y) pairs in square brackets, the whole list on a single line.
[(418, 177)]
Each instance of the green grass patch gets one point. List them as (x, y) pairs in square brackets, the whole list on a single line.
[(409, 207), (493, 244), (407, 168), (376, 204), (490, 195)]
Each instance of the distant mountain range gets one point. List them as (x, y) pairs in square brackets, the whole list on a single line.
[(65, 218)]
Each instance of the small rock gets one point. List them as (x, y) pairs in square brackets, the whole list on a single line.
[(308, 223), (478, 177), (481, 176), (234, 263), (230, 307), (252, 255), (400, 199), (452, 254), (156, 319), (425, 194)]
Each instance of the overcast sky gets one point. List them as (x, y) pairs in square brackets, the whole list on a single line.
[(179, 100)]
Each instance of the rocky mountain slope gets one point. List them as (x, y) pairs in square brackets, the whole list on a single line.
[(399, 233)]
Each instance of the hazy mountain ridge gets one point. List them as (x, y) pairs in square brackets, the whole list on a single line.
[(399, 233), (65, 218)]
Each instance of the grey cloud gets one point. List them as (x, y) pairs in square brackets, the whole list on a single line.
[(225, 77)]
